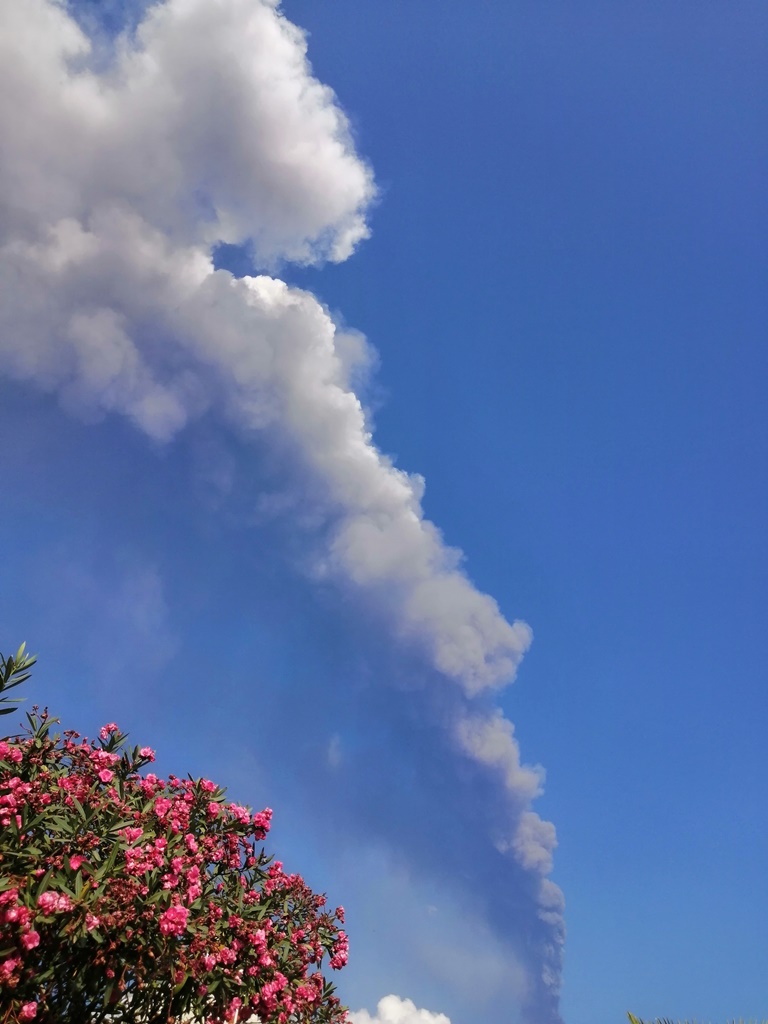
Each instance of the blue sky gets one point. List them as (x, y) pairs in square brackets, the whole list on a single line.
[(563, 300)]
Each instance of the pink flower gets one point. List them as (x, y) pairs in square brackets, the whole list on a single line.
[(162, 806), (8, 967), (52, 902), (240, 814), (207, 786), (147, 752), (92, 921), (213, 809), (75, 861), (308, 992), (106, 730), (262, 820), (233, 1007), (28, 1011), (11, 753), (17, 915), (131, 834), (104, 758), (30, 940), (47, 901), (174, 920), (340, 952), (106, 775)]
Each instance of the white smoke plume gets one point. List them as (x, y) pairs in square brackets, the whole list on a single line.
[(116, 184)]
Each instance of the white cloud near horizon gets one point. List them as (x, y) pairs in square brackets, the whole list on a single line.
[(394, 1010), (115, 187)]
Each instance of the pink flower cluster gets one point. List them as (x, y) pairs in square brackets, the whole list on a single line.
[(10, 753), (164, 875), (173, 921), (51, 902), (340, 952)]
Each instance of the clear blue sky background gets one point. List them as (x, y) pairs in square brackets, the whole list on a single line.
[(565, 284)]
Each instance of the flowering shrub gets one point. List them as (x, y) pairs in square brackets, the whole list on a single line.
[(129, 898)]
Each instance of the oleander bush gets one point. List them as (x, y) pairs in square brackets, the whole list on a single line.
[(131, 899)]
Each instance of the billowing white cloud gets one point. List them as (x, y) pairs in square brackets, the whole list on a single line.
[(394, 1010), (116, 184), (114, 188), (209, 126)]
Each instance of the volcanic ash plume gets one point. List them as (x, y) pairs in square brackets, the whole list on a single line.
[(118, 178)]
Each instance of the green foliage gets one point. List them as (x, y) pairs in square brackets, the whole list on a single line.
[(130, 899), (14, 670)]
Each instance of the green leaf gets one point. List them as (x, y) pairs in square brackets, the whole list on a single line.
[(181, 984), (15, 670), (109, 863), (108, 990), (78, 807), (43, 884)]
